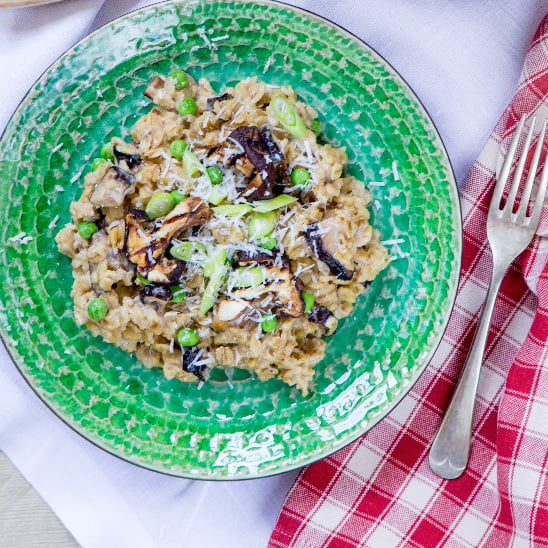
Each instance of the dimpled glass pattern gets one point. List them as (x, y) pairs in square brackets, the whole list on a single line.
[(234, 426)]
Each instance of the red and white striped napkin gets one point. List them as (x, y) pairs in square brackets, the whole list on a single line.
[(379, 492)]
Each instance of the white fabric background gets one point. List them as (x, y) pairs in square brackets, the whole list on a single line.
[(462, 59)]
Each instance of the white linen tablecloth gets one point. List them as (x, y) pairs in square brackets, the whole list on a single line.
[(462, 59)]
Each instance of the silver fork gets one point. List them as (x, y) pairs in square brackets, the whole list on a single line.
[(509, 234)]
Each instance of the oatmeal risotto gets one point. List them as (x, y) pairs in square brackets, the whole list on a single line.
[(222, 234)]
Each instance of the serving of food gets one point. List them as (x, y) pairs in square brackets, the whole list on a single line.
[(224, 233), (283, 210)]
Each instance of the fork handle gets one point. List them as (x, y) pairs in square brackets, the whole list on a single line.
[(451, 447)]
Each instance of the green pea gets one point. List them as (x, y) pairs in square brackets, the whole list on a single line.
[(300, 176), (181, 79), (269, 242), (308, 299), (106, 152), (142, 279), (87, 229), (187, 337), (260, 225), (316, 127), (97, 309), (178, 196), (178, 294), (177, 148), (96, 163), (215, 175), (187, 106), (269, 323), (159, 205)]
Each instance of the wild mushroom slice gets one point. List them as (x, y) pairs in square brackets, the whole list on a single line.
[(276, 155), (111, 190), (138, 244), (289, 290), (154, 88), (261, 257), (314, 236), (127, 153), (145, 247), (165, 271), (255, 148), (191, 355), (323, 316), (162, 292), (210, 101), (279, 279), (190, 212)]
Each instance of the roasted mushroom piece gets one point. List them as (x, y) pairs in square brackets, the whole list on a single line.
[(324, 317), (163, 271), (247, 257), (323, 240), (128, 154), (117, 259), (210, 102), (154, 88), (191, 355), (262, 160), (111, 190), (189, 213), (146, 247), (278, 279), (162, 292)]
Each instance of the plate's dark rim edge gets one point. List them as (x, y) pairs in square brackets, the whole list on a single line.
[(433, 350)]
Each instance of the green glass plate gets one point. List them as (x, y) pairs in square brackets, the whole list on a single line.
[(234, 426)]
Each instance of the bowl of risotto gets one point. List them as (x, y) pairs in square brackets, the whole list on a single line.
[(233, 239)]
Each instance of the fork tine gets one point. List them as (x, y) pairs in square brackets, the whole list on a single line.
[(510, 202), (541, 193), (505, 171), (522, 210)]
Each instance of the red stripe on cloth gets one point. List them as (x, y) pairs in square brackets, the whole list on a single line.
[(379, 491)]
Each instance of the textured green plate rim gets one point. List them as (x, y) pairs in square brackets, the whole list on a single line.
[(352, 394)]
